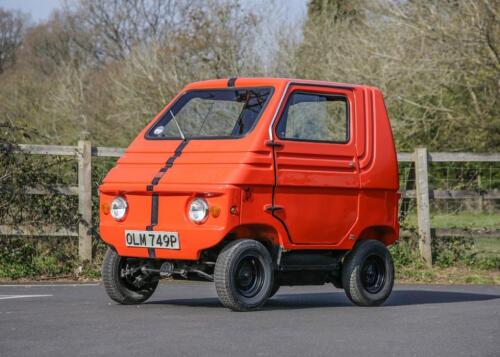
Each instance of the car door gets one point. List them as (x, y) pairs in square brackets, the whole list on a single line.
[(317, 182)]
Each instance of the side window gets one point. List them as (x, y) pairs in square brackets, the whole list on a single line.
[(315, 117)]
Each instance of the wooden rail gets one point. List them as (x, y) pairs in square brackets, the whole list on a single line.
[(451, 157), (84, 152)]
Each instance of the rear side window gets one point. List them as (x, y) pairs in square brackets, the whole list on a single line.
[(221, 113), (315, 117)]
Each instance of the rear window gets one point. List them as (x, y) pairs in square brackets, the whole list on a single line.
[(221, 113)]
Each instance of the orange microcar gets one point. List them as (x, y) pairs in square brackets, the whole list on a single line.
[(255, 183)]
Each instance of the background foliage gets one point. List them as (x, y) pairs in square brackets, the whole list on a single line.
[(101, 69)]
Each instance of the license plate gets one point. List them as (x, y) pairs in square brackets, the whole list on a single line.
[(150, 239)]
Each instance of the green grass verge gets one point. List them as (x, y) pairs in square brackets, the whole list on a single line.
[(438, 275), (460, 220), (481, 253), (488, 245)]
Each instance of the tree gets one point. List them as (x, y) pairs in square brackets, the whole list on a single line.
[(117, 26), (336, 10), (213, 40), (12, 25), (436, 61)]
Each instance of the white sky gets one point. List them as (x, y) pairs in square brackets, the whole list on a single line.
[(41, 9), (283, 12)]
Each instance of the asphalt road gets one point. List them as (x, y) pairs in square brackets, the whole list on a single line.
[(186, 319)]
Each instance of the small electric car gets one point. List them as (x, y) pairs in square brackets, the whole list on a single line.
[(253, 184)]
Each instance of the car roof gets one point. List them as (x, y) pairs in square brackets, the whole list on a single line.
[(265, 81)]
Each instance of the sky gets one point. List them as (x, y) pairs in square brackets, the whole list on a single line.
[(284, 11), (39, 10)]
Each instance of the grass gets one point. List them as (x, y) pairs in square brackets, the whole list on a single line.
[(491, 245), (484, 247), (460, 220), (453, 275)]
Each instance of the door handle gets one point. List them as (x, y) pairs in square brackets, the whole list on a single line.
[(274, 144)]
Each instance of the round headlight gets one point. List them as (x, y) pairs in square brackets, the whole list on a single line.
[(119, 208), (198, 210)]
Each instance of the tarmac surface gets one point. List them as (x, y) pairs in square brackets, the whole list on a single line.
[(186, 319)]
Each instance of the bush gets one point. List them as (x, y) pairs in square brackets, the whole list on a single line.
[(452, 251), (42, 256), (15, 258), (21, 257), (446, 252), (405, 251), (46, 257), (22, 171), (485, 262)]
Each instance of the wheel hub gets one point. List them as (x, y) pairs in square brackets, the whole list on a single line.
[(373, 274), (249, 276)]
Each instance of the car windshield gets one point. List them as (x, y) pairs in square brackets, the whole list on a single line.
[(221, 113)]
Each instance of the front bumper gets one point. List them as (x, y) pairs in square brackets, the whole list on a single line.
[(172, 217)]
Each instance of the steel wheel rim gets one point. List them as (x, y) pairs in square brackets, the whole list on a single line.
[(373, 274), (249, 276)]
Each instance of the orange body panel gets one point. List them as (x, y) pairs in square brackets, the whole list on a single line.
[(330, 194)]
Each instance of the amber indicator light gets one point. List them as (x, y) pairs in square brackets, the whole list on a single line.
[(214, 211), (105, 208)]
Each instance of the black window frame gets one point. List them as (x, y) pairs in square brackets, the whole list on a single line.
[(166, 111), (348, 117)]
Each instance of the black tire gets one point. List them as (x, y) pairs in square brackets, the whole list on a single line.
[(275, 289), (368, 273), (244, 275), (119, 288)]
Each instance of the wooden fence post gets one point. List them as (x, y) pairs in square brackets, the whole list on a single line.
[(84, 200), (409, 185), (423, 214)]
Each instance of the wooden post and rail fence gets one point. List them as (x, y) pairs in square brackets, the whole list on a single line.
[(420, 158)]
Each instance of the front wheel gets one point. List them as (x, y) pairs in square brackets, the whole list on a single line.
[(368, 273), (124, 280), (244, 276)]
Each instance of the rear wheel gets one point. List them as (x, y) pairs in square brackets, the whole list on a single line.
[(244, 276), (368, 274), (124, 279), (275, 289)]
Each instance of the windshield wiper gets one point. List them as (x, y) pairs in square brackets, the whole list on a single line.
[(177, 124)]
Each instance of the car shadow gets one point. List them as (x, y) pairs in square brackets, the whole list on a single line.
[(338, 299)]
